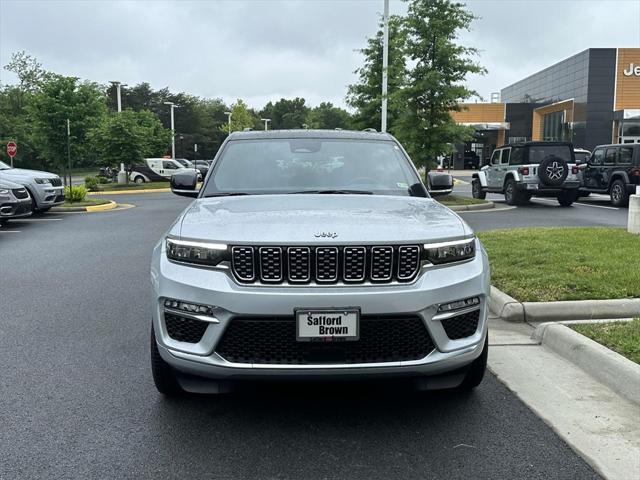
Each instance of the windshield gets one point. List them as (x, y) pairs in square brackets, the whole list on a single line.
[(4, 166), (273, 166), (537, 153)]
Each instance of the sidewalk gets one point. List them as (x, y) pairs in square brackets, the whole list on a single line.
[(600, 425)]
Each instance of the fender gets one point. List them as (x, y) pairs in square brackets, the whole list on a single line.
[(137, 173), (618, 174), (482, 178), (512, 174)]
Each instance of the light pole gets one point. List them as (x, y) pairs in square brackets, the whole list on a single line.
[(173, 129), (385, 64), (118, 85), (228, 114), (266, 122)]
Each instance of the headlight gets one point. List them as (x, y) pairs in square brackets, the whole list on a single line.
[(198, 253), (447, 252), (4, 192), (42, 181)]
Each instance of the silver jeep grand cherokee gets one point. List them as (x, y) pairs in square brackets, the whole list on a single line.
[(45, 189), (316, 254)]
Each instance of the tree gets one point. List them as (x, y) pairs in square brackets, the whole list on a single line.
[(286, 114), (58, 99), (326, 115), (365, 96), (128, 137), (241, 118), (435, 84)]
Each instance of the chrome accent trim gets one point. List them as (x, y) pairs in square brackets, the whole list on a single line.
[(381, 279), (253, 260), (455, 313), (308, 265), (416, 270), (337, 257), (182, 313), (271, 280), (344, 265)]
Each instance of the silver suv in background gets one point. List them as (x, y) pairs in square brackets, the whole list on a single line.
[(312, 254), (522, 170), (14, 201), (45, 189)]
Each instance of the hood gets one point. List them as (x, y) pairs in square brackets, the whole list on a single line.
[(7, 184), (24, 173), (319, 219)]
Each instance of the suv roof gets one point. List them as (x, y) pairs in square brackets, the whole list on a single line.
[(533, 143), (635, 145), (346, 134)]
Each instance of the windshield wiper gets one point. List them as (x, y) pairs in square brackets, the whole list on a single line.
[(334, 192), (227, 194)]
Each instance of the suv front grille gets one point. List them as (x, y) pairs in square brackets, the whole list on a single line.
[(272, 340), (461, 326), (323, 265), (56, 182)]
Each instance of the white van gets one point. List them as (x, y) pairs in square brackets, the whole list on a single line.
[(156, 170)]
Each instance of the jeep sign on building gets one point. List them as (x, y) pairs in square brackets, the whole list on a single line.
[(591, 98)]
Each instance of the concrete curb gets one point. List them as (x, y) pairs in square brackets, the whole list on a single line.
[(91, 208), (477, 206), (512, 310), (608, 367), (130, 192)]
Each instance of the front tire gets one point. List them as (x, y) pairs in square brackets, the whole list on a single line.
[(164, 376), (139, 180), (567, 197), (619, 195), (475, 374), (476, 190)]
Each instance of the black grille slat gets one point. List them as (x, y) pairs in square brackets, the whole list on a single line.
[(184, 329), (272, 340), (243, 263), (408, 262), (462, 326), (299, 259), (56, 182), (381, 263), (354, 264), (325, 265), (270, 264)]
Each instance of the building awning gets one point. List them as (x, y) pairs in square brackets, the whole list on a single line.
[(488, 126), (627, 114)]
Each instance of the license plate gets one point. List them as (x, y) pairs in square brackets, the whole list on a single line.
[(327, 325)]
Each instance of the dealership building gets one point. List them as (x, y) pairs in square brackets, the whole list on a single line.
[(589, 99)]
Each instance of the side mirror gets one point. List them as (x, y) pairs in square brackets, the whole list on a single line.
[(184, 183), (439, 184)]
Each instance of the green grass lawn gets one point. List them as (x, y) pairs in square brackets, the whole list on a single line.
[(450, 200), (132, 186), (87, 202), (622, 337), (549, 264)]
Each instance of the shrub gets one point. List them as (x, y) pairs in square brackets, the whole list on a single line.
[(91, 183), (75, 193), (103, 180)]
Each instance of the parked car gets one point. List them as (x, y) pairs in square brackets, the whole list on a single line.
[(613, 170), (156, 170), (581, 155), (522, 170), (471, 160), (203, 166), (332, 262), (14, 201), (45, 189)]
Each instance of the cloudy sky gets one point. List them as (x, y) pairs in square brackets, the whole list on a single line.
[(262, 50)]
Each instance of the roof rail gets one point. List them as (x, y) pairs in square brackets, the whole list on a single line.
[(337, 128), (370, 130), (247, 129)]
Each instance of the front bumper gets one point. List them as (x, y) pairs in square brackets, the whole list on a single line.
[(433, 286), (11, 207), (46, 195)]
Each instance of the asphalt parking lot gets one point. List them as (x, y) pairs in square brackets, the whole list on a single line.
[(77, 399)]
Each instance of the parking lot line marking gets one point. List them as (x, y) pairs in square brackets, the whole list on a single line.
[(10, 231), (38, 220)]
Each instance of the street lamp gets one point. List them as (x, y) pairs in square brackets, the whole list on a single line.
[(228, 114), (266, 122), (173, 129), (118, 85)]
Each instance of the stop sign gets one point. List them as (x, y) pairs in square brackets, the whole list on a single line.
[(12, 149)]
